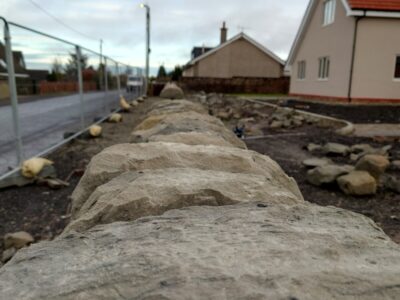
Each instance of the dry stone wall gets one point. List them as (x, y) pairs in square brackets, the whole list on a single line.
[(190, 213)]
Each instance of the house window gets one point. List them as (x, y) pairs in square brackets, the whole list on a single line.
[(329, 12), (397, 68), (324, 64), (301, 69)]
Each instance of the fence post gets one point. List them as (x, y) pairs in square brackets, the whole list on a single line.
[(13, 92), (80, 82), (118, 80), (105, 82)]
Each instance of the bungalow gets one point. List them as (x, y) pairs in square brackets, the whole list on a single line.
[(348, 51), (241, 56)]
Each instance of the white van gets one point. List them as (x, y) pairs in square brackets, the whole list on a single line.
[(134, 84)]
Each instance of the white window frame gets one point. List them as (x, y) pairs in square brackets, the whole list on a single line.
[(301, 70), (324, 65), (397, 57), (329, 12)]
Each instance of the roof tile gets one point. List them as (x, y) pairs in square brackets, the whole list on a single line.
[(381, 5)]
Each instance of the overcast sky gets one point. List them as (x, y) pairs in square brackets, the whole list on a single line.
[(177, 26)]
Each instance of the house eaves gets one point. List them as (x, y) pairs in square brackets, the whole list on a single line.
[(235, 38), (349, 12)]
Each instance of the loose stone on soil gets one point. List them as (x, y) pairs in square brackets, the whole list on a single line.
[(313, 147), (376, 165), (392, 183), (336, 149), (358, 183), (327, 174), (17, 240), (317, 162)]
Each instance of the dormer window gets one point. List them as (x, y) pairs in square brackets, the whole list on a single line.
[(329, 12)]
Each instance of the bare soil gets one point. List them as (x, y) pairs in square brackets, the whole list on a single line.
[(44, 212), (287, 147), (389, 114)]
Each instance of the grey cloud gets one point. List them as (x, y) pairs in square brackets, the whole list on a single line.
[(177, 25)]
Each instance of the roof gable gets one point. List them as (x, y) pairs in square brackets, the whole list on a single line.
[(234, 39)]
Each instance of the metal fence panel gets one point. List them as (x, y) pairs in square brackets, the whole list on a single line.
[(62, 88)]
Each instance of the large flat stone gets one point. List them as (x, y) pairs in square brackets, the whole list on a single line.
[(118, 159), (174, 106), (244, 251), (133, 195), (192, 138), (183, 122), (172, 91)]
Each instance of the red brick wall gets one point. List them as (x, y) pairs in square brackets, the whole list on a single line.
[(236, 85), (47, 87)]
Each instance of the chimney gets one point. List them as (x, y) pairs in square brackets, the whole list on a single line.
[(224, 33)]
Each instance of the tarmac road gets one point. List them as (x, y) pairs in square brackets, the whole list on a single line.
[(44, 122)]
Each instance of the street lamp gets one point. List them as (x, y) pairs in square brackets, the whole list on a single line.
[(147, 43)]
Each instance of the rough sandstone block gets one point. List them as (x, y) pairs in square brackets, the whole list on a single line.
[(172, 91), (374, 164), (245, 251), (133, 195), (358, 183), (118, 159)]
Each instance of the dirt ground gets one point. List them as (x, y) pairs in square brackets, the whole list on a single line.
[(287, 148), (43, 212), (354, 113)]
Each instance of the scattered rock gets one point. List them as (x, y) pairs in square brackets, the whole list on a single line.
[(336, 149), (396, 164), (8, 254), (225, 115), (134, 103), (172, 91), (327, 174), (360, 150), (140, 99), (276, 124), (17, 240), (317, 162), (376, 165), (95, 131), (53, 183), (228, 252), (124, 104), (115, 118), (392, 183), (254, 130), (133, 195), (18, 180), (358, 183), (313, 147), (32, 167)]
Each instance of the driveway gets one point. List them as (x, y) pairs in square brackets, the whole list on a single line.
[(43, 122)]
